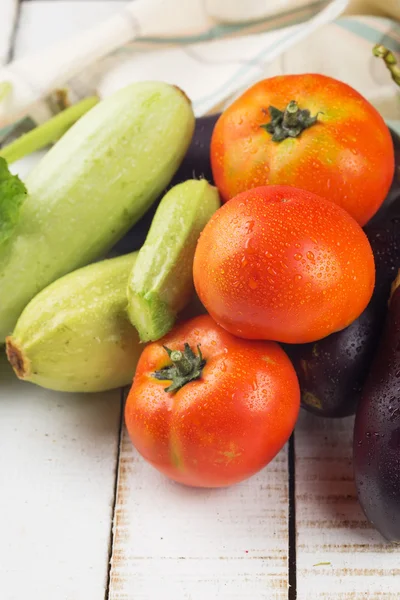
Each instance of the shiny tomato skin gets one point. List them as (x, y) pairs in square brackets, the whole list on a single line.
[(224, 427), (346, 157), (279, 263)]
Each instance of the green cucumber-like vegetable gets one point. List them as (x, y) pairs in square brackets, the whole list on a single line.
[(91, 187), (48, 132), (75, 335), (161, 283)]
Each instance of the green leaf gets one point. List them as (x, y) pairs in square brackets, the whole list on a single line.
[(12, 195)]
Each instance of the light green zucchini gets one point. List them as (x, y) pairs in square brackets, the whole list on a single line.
[(91, 187), (161, 282), (75, 335)]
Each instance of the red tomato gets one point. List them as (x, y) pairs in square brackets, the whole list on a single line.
[(346, 155), (237, 406), (282, 264)]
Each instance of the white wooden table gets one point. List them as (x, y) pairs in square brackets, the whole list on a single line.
[(83, 517)]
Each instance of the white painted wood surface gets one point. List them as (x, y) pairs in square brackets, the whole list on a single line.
[(58, 452), (58, 472), (331, 527), (173, 542)]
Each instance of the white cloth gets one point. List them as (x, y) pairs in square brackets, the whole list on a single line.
[(212, 51), (8, 15), (209, 48)]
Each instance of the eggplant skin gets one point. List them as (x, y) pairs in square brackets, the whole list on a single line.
[(376, 449), (388, 207), (195, 165), (333, 370)]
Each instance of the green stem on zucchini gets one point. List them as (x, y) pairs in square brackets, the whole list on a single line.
[(48, 132), (389, 59), (186, 366)]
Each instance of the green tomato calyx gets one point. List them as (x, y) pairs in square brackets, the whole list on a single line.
[(185, 366), (289, 122)]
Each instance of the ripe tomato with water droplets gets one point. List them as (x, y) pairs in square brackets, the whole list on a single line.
[(208, 409), (309, 131), (283, 264)]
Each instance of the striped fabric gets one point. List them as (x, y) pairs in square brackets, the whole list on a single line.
[(209, 48), (215, 63)]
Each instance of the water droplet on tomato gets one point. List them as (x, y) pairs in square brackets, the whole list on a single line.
[(298, 256), (253, 284), (298, 277), (250, 226), (243, 262), (271, 271), (310, 257), (249, 245)]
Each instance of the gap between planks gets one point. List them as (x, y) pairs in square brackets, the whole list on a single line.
[(292, 543), (114, 501)]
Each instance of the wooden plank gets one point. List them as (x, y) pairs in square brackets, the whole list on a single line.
[(58, 452), (174, 542), (331, 527), (57, 473)]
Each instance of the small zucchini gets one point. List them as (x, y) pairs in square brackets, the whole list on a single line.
[(91, 187), (161, 283), (75, 335), (195, 165)]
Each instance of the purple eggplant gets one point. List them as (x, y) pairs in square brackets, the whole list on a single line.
[(333, 370), (376, 449), (195, 165)]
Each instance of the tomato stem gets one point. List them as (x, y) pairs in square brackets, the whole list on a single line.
[(181, 362), (289, 122), (381, 51), (185, 366)]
